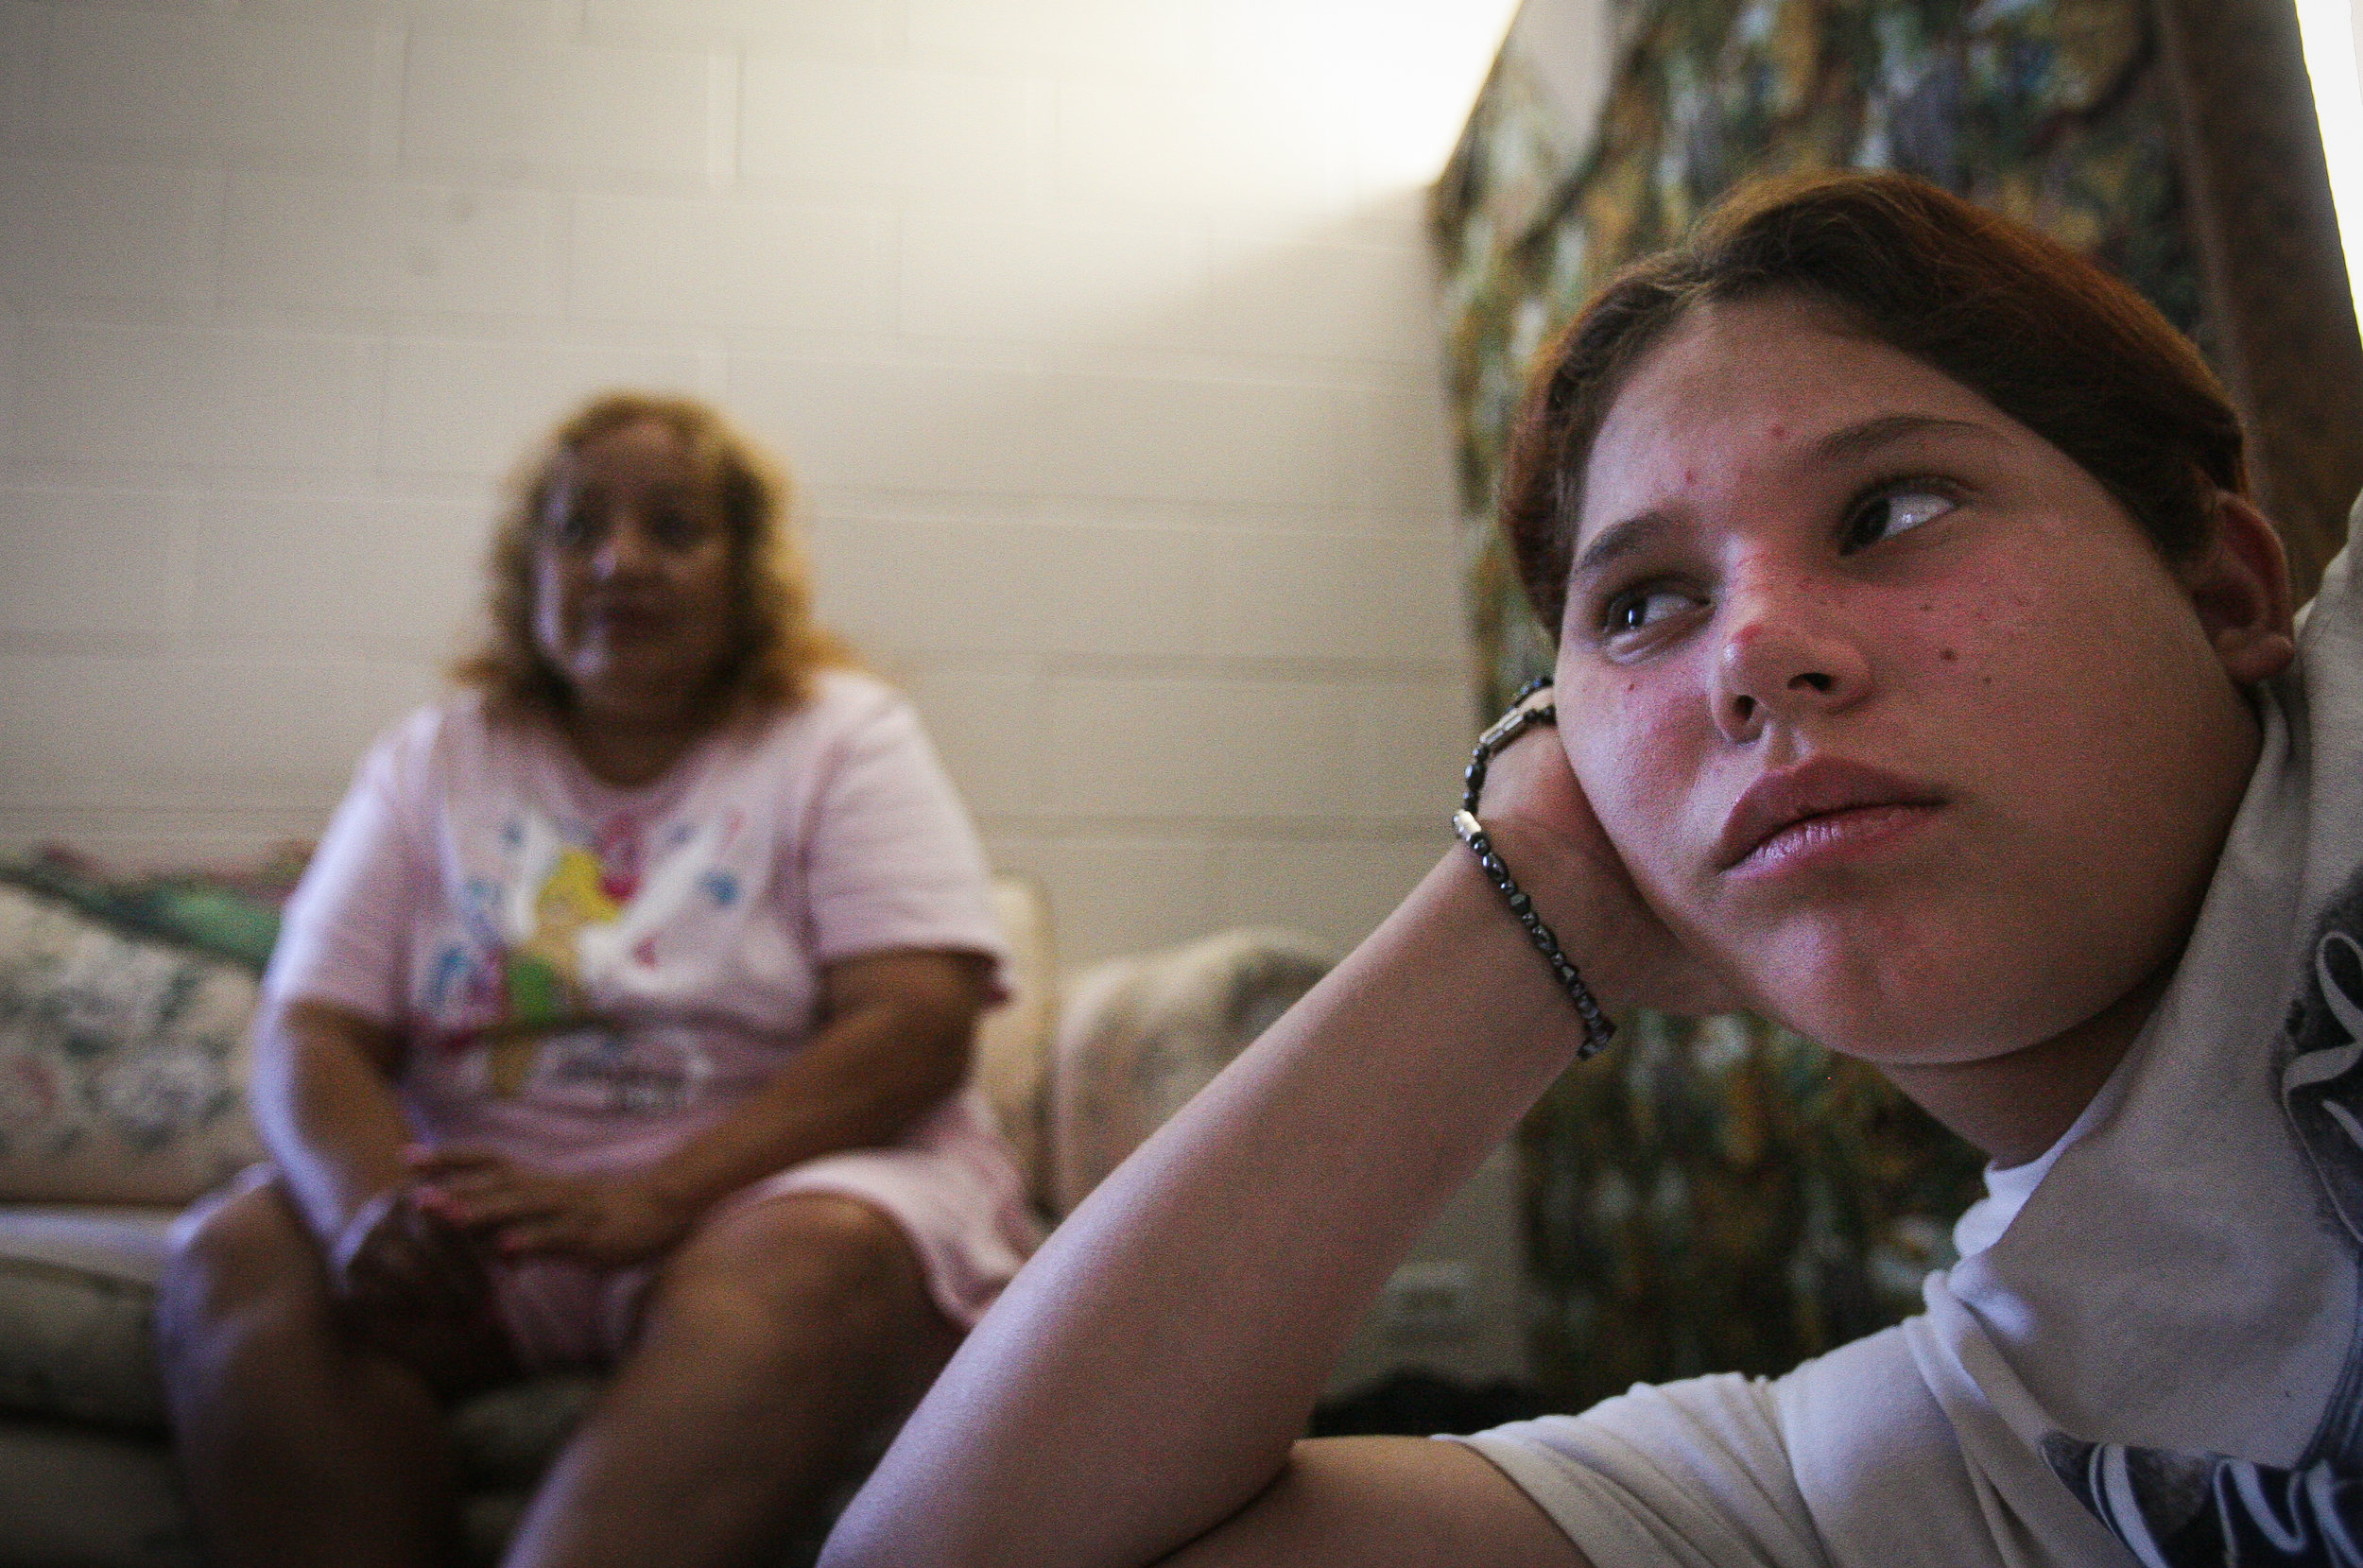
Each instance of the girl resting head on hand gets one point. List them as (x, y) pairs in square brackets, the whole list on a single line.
[(1926, 681)]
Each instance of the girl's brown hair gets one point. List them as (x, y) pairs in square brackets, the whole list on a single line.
[(775, 647), (2038, 331)]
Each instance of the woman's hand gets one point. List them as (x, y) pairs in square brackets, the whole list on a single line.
[(405, 1284), (894, 1038), (1535, 812), (414, 1288), (608, 1220)]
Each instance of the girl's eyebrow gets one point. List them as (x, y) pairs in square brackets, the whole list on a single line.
[(1857, 440), (1852, 441), (1634, 533)]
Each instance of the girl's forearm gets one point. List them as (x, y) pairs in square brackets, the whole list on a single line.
[(1144, 1377)]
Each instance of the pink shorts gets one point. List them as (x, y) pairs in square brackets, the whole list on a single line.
[(969, 1240)]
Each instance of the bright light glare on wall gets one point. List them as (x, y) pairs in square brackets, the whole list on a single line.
[(2330, 50), (1416, 104)]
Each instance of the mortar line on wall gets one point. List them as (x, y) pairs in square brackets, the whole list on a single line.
[(1320, 828), (919, 663), (1248, 667), (725, 89), (389, 54), (208, 243)]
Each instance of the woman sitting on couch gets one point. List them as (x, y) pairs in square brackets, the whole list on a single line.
[(620, 1021), (1925, 680)]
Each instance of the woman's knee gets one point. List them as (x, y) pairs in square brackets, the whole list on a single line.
[(243, 1250), (816, 1272)]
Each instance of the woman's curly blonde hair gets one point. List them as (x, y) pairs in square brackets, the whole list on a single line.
[(774, 649)]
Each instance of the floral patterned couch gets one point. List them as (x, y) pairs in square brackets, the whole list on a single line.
[(123, 1057)]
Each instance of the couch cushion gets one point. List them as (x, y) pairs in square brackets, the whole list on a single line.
[(77, 1291), (506, 1439), (1138, 1036), (92, 1499), (123, 1061), (1013, 1039)]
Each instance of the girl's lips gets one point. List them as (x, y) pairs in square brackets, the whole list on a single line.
[(1819, 839), (1816, 807)]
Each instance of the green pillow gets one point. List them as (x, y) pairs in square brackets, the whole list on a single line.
[(122, 1060)]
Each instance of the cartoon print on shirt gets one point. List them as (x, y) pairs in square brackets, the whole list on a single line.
[(2185, 1511), (2180, 1510), (549, 950), (544, 968)]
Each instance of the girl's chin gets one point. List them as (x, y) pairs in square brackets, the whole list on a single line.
[(1894, 1025)]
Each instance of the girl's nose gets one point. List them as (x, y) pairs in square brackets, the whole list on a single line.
[(1787, 657)]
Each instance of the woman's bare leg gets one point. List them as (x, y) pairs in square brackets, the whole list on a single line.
[(295, 1446), (782, 1342)]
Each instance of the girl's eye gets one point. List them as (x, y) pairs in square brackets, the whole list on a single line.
[(1639, 608), (1892, 513)]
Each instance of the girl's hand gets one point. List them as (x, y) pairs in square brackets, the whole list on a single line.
[(1535, 812), (606, 1220)]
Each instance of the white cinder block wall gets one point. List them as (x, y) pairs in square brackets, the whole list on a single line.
[(1100, 333)]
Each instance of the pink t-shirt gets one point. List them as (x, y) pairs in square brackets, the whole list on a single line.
[(584, 975)]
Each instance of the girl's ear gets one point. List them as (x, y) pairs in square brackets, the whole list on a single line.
[(2239, 583)]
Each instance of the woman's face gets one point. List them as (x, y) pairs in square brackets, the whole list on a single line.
[(1894, 713), (632, 576)]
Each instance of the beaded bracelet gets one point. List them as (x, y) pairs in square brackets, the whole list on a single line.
[(1598, 1029)]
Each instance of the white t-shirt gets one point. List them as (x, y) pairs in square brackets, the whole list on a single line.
[(584, 976), (581, 969), (2149, 1352)]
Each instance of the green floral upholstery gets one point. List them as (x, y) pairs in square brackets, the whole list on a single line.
[(2054, 114), (229, 914), (124, 1012), (122, 1060), (1724, 1195)]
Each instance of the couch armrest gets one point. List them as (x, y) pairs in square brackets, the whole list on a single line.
[(1012, 1065), (1138, 1036)]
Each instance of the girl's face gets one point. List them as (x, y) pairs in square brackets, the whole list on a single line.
[(1894, 713)]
